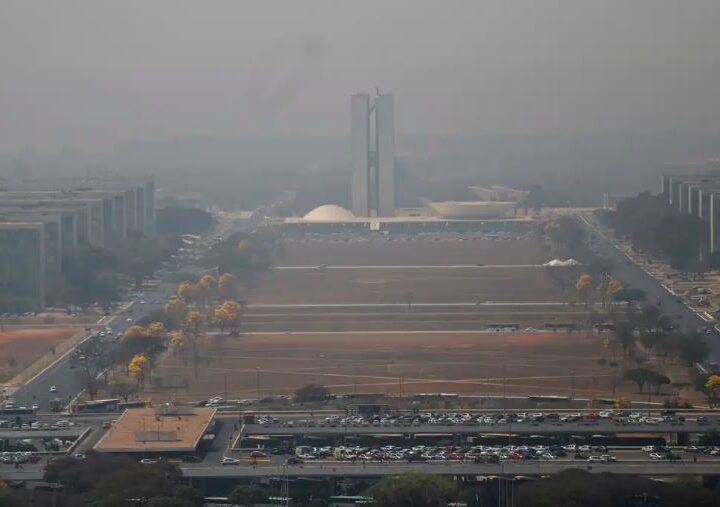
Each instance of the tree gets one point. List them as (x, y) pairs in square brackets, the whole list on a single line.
[(712, 389), (227, 285), (109, 480), (630, 295), (135, 332), (177, 342), (8, 498), (188, 291), (413, 490), (649, 318), (193, 330), (169, 501), (312, 392), (564, 233), (625, 334), (96, 360), (248, 495), (205, 290), (157, 330), (622, 403), (694, 349), (652, 224), (176, 309), (209, 283), (575, 488), (228, 315), (651, 340), (139, 367), (614, 287), (584, 286), (658, 381), (642, 376)]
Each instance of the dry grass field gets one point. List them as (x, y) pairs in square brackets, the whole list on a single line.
[(431, 285), (19, 348), (395, 349), (398, 250), (472, 363)]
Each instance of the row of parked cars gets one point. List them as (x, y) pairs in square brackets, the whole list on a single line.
[(36, 425), (476, 454), (453, 419), (10, 458)]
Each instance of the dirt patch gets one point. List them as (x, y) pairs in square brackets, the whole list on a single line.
[(431, 285), (411, 250), (19, 348), (576, 364)]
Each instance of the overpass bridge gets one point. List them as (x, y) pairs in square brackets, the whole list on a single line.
[(576, 427), (509, 468)]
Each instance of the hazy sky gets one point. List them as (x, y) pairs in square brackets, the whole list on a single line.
[(94, 73)]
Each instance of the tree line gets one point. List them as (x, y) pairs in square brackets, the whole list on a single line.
[(652, 225)]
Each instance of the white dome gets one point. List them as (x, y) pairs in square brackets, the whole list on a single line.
[(330, 213)]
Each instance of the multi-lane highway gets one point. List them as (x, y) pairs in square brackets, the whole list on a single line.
[(344, 469), (601, 426), (632, 275), (60, 374)]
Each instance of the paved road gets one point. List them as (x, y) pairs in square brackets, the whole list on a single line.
[(603, 426), (634, 276), (48, 433), (60, 374), (639, 467), (341, 469)]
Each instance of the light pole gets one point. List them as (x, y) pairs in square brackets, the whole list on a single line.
[(257, 382)]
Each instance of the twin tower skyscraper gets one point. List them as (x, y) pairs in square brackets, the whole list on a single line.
[(373, 155)]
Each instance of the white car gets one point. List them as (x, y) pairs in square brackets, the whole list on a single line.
[(654, 455), (53, 389), (148, 461), (595, 459), (230, 461)]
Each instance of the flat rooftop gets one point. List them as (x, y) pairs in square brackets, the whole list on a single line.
[(147, 430)]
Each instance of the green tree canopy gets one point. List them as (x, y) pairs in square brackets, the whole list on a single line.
[(414, 490), (248, 495), (312, 392)]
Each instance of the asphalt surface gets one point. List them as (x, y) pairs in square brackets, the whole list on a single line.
[(336, 469), (65, 378), (602, 426), (344, 469), (632, 275)]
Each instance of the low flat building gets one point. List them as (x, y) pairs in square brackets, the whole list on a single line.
[(157, 431)]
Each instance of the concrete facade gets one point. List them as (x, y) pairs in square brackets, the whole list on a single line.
[(64, 213), (373, 155), (22, 265), (385, 135), (360, 135), (698, 196)]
